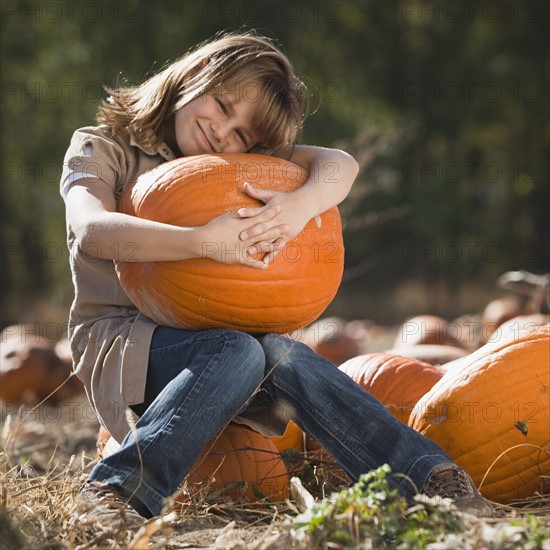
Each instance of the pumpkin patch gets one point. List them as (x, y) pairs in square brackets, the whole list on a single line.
[(202, 293), (425, 330), (434, 354), (490, 412)]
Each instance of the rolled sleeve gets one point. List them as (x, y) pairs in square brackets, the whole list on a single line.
[(94, 154)]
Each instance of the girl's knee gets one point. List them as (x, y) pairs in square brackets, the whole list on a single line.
[(243, 342), (247, 352), (282, 350)]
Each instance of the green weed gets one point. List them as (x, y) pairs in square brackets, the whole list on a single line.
[(371, 514)]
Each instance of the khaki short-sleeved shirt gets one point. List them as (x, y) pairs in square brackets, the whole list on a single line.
[(109, 337)]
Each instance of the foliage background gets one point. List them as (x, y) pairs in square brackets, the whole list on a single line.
[(444, 103)]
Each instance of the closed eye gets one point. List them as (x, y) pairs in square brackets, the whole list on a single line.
[(242, 137), (222, 106), (225, 110)]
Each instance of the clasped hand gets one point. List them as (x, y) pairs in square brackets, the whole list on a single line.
[(253, 236)]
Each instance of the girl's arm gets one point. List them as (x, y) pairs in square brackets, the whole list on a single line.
[(101, 231), (332, 173)]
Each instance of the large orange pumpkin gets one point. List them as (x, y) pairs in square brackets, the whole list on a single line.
[(202, 293), (490, 412), (397, 382)]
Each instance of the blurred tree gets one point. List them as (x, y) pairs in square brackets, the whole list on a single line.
[(445, 104)]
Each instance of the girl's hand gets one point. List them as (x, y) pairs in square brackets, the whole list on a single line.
[(271, 234), (224, 240), (332, 173)]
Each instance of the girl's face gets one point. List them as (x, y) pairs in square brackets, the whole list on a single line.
[(215, 123)]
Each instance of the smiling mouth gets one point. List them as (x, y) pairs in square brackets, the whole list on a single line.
[(205, 139)]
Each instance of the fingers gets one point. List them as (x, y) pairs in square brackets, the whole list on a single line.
[(270, 256), (258, 255), (263, 213), (261, 254), (250, 212), (263, 195), (252, 262), (264, 247), (265, 234), (262, 226)]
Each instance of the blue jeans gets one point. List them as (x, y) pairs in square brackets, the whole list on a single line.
[(198, 381)]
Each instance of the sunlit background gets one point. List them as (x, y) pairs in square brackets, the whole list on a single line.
[(444, 105)]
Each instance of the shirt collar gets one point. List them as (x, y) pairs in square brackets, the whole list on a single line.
[(163, 150)]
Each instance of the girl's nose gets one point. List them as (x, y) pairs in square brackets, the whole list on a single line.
[(221, 131)]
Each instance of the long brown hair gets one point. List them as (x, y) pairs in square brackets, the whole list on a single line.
[(253, 62)]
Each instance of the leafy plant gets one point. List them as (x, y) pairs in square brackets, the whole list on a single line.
[(536, 531), (371, 514)]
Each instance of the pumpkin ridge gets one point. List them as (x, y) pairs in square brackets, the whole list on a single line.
[(504, 463)]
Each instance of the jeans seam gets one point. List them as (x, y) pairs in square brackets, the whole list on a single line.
[(170, 347), (421, 459)]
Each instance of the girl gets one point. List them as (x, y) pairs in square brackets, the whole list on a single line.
[(236, 93)]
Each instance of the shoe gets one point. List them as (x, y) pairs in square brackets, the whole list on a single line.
[(452, 482), (107, 505)]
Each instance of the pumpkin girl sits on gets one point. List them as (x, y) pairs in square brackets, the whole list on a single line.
[(181, 387)]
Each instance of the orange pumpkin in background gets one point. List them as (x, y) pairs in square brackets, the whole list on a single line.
[(397, 382), (430, 353), (497, 312), (103, 437), (31, 370), (490, 412), (326, 467), (518, 325), (425, 329), (202, 293), (328, 338)]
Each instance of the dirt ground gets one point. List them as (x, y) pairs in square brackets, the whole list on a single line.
[(46, 452)]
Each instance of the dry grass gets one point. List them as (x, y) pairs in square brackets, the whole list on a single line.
[(46, 453)]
